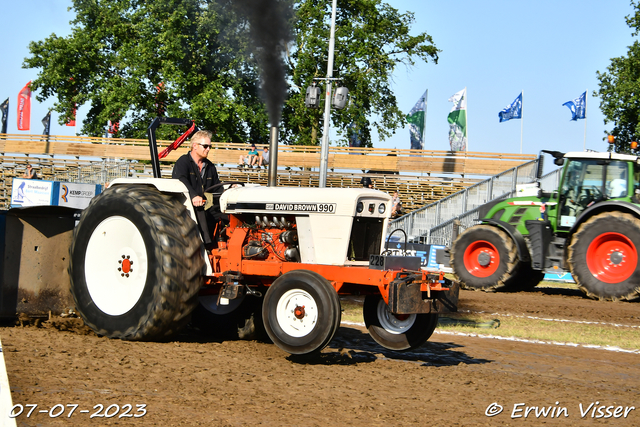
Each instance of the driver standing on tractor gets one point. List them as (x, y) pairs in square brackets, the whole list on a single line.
[(197, 173)]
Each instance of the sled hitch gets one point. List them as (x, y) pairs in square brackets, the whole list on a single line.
[(414, 293), (232, 288)]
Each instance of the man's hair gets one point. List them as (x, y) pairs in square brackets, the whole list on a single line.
[(201, 134)]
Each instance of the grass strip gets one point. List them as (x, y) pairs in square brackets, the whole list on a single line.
[(518, 327)]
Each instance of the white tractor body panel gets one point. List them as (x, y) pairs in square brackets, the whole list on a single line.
[(324, 216)]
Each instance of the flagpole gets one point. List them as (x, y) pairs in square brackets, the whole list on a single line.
[(521, 117), (584, 143)]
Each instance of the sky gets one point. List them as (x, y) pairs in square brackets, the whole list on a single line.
[(548, 49)]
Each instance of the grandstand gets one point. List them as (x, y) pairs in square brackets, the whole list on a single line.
[(420, 176)]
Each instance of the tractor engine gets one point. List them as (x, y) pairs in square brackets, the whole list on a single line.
[(330, 226)]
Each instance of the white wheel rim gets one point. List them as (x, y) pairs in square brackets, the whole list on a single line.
[(210, 302), (297, 313), (391, 323), (115, 265)]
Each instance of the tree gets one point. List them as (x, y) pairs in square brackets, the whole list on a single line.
[(128, 60), (371, 40), (121, 52), (619, 91)]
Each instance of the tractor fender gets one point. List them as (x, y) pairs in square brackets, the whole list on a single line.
[(607, 206), (521, 245), (164, 186)]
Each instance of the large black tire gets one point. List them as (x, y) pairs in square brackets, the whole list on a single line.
[(240, 319), (396, 332), (603, 256), (301, 312), (484, 258), (136, 264)]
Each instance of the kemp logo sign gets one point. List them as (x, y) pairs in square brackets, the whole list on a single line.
[(76, 195)]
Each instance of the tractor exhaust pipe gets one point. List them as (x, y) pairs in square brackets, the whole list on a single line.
[(273, 157)]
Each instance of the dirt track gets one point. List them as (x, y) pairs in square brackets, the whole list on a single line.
[(452, 380)]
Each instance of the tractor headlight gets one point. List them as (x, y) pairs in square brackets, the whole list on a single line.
[(359, 207), (381, 208)]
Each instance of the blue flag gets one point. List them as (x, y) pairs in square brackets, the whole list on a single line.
[(578, 107), (512, 111)]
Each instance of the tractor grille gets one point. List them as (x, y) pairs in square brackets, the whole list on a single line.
[(366, 237)]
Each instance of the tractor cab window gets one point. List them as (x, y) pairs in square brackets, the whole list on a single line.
[(583, 185), (617, 179)]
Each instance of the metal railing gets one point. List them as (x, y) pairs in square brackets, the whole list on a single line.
[(95, 173), (433, 224)]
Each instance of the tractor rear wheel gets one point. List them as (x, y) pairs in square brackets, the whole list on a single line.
[(603, 256), (136, 264), (484, 258), (396, 331), (301, 312)]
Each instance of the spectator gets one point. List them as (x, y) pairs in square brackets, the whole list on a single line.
[(250, 159), (264, 157), (396, 205), (366, 182), (30, 173)]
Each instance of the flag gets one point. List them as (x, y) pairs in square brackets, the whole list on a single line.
[(5, 115), (72, 120), (458, 121), (24, 108), (416, 119), (512, 111), (354, 135), (46, 122), (578, 107)]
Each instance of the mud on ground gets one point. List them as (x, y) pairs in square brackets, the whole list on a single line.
[(451, 381)]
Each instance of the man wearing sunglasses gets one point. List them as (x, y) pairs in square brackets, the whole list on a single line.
[(197, 173)]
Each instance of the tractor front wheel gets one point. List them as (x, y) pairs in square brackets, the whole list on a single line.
[(136, 264), (603, 256), (301, 312), (396, 331)]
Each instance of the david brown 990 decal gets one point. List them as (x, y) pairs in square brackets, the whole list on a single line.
[(302, 207)]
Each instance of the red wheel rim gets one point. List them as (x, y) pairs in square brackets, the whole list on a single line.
[(476, 256), (612, 257)]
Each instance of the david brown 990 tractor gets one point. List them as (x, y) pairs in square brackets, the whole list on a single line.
[(590, 227), (139, 267)]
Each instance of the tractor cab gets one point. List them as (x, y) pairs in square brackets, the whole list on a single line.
[(590, 178)]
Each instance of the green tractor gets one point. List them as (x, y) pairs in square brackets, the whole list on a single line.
[(589, 227)]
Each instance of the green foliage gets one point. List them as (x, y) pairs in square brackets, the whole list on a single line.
[(619, 91), (120, 51), (371, 40)]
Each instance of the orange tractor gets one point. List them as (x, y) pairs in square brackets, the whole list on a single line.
[(139, 269)]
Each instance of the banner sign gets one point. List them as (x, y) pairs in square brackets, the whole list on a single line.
[(36, 192)]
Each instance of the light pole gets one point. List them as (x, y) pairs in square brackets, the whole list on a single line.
[(324, 149)]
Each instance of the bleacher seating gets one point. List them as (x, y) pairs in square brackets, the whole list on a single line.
[(420, 183)]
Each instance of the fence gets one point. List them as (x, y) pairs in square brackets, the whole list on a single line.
[(433, 224), (95, 173)]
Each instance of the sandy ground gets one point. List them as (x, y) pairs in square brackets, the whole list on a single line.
[(451, 381)]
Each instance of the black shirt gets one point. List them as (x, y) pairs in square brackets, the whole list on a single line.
[(187, 171)]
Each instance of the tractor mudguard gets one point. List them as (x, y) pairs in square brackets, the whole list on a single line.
[(613, 205), (521, 245)]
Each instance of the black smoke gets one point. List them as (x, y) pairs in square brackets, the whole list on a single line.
[(269, 29)]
